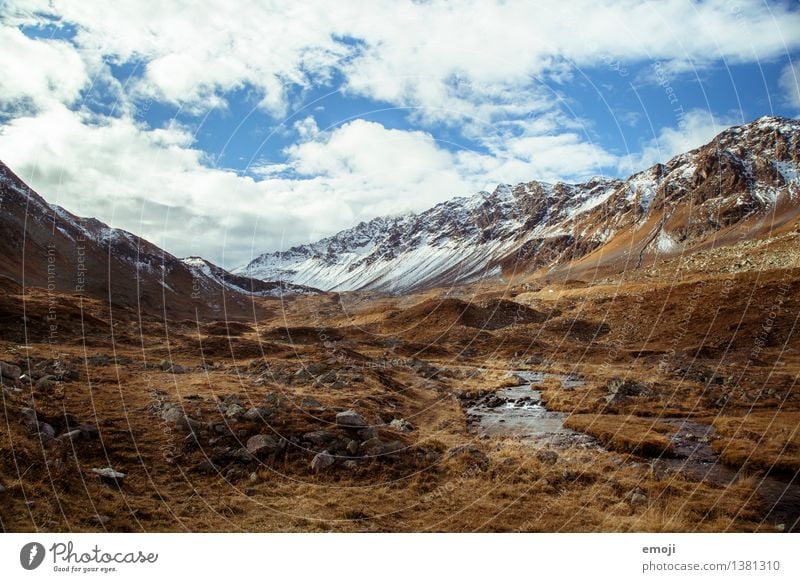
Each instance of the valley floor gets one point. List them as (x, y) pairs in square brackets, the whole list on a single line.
[(671, 404)]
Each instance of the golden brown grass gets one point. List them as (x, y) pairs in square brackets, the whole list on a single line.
[(760, 440), (627, 434)]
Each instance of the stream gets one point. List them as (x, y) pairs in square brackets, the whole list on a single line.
[(518, 411)]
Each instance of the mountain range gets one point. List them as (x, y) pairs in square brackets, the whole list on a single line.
[(745, 178), (742, 184)]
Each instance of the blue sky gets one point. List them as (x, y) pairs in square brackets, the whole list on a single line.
[(230, 131)]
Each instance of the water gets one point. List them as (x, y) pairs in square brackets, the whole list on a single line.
[(518, 411)]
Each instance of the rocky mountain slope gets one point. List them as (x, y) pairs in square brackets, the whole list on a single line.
[(744, 183), (43, 245)]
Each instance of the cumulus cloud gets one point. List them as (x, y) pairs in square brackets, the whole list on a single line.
[(491, 71), (789, 82), (37, 73), (695, 128)]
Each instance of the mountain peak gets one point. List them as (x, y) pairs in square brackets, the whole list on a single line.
[(742, 171)]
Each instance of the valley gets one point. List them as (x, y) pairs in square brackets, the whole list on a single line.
[(637, 374)]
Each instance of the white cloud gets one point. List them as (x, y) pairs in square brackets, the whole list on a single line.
[(695, 128), (37, 73), (789, 82), (492, 70)]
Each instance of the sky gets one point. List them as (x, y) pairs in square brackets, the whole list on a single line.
[(228, 129)]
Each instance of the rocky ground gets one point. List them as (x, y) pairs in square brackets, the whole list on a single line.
[(350, 412)]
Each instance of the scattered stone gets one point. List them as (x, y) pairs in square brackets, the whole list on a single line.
[(171, 367), (109, 475), (274, 400), (350, 418), (547, 457), (250, 491), (322, 461), (234, 474), (10, 371), (242, 455), (261, 445), (350, 464), (46, 383), (254, 478), (638, 499), (206, 468), (309, 402), (102, 520), (47, 430), (368, 433), (352, 447), (401, 425), (372, 447), (88, 431), (72, 436), (319, 437), (234, 411), (256, 414)]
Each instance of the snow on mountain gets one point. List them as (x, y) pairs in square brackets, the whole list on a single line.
[(744, 170)]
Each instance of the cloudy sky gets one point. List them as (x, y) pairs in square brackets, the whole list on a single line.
[(227, 129)]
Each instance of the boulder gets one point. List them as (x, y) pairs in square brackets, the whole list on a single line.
[(46, 382), (256, 414), (309, 402), (351, 419), (322, 461), (10, 371), (261, 445)]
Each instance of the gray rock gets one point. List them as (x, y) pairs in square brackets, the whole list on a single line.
[(102, 520), (401, 425), (322, 461), (309, 402), (352, 447), (350, 464), (10, 371), (547, 457), (350, 418), (372, 447), (88, 431), (639, 499), (46, 383), (261, 445), (72, 436), (368, 433), (234, 411), (2, 489), (243, 456), (256, 414), (47, 430), (109, 473), (319, 437)]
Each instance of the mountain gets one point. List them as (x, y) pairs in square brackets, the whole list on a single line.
[(744, 181), (43, 245)]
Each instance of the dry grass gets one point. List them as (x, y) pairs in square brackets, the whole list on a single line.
[(627, 434), (760, 440)]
